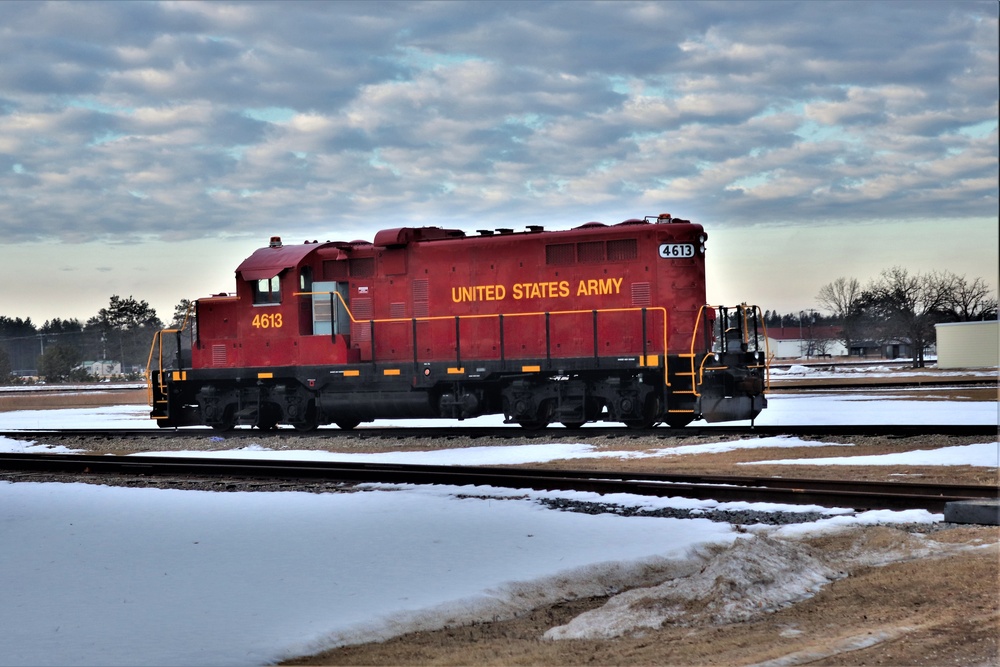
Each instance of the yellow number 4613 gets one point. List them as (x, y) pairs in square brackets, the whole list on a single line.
[(266, 321)]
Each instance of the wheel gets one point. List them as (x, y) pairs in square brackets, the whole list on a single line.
[(303, 421), (347, 424), (650, 415), (573, 425), (542, 417), (221, 417)]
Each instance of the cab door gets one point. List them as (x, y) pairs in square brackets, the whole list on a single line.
[(330, 304)]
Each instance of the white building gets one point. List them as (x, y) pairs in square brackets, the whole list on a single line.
[(102, 369), (968, 344), (805, 342)]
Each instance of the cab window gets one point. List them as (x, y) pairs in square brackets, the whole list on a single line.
[(267, 290)]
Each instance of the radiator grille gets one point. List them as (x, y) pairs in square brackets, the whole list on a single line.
[(361, 330), (591, 251), (560, 254), (219, 356), (641, 294), (362, 267), (420, 292), (362, 308), (622, 250)]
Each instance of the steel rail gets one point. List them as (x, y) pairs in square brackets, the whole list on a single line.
[(513, 432), (829, 493)]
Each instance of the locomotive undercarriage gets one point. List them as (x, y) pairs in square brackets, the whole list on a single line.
[(635, 399), (306, 398)]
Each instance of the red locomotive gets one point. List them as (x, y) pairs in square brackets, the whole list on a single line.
[(598, 323)]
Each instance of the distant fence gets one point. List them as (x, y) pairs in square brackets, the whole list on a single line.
[(131, 348)]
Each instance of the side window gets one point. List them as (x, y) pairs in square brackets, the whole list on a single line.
[(267, 290)]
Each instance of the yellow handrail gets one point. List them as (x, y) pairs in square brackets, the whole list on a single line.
[(744, 308), (433, 318), (767, 350), (157, 346)]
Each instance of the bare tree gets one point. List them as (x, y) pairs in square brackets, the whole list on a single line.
[(970, 301), (909, 306), (843, 298), (822, 346)]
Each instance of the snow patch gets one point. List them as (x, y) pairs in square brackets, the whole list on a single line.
[(753, 576), (981, 455), (510, 600), (10, 446)]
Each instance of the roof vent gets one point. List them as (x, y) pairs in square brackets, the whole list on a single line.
[(485, 232), (275, 242), (505, 230)]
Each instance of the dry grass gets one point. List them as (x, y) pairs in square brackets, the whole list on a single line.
[(83, 398)]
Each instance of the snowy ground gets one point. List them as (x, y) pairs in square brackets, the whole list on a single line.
[(870, 371), (94, 575)]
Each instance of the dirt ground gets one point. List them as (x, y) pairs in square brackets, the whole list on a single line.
[(938, 609), (902, 594), (911, 595)]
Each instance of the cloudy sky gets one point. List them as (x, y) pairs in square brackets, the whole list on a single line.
[(146, 148)]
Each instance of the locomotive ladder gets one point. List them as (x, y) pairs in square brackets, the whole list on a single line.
[(157, 396), (686, 382), (688, 377)]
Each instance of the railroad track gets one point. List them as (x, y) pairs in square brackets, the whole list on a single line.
[(806, 384), (827, 493), (507, 432)]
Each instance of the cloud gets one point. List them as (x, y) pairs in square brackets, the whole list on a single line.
[(180, 120)]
